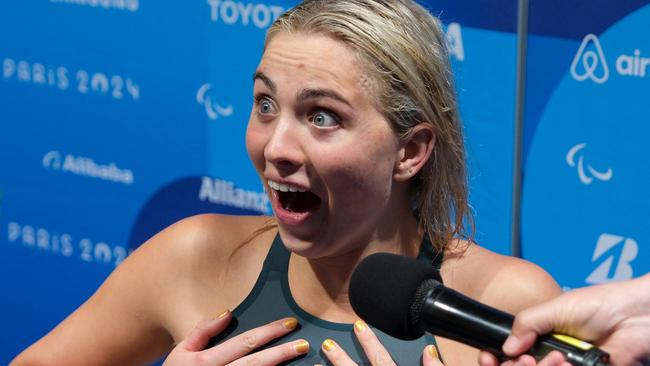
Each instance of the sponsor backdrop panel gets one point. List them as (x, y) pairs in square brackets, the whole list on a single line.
[(483, 49), (585, 197), (110, 122), (118, 118)]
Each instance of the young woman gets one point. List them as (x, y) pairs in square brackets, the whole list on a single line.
[(355, 133)]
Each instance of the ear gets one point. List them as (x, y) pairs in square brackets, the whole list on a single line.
[(415, 150)]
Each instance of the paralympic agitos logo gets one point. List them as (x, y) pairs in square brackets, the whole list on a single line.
[(591, 63)]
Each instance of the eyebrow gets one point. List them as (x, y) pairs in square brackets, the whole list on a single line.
[(266, 80), (304, 94), (307, 94)]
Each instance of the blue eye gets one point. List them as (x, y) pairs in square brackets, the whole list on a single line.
[(325, 119), (264, 106)]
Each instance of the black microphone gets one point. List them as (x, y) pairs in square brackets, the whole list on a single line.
[(404, 297)]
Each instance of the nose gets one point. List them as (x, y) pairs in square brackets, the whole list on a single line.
[(284, 148)]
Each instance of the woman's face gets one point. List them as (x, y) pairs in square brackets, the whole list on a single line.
[(324, 150)]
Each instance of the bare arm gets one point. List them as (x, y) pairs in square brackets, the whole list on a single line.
[(124, 322)]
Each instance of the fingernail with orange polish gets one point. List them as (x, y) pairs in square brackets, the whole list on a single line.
[(290, 323), (328, 344), (301, 346), (359, 325), (433, 352)]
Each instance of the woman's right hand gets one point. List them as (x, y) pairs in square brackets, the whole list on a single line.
[(236, 351)]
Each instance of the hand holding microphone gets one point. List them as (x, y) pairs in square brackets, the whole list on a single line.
[(404, 298), (615, 316)]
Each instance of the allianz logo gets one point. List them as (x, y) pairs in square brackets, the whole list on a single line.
[(237, 12), (81, 165), (212, 109), (590, 62), (575, 158), (615, 254), (225, 193)]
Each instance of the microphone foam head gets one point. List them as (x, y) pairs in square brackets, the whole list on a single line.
[(383, 288)]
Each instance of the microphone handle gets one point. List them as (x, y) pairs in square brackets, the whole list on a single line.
[(575, 351), (450, 314)]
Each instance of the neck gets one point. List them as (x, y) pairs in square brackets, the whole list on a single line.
[(321, 288)]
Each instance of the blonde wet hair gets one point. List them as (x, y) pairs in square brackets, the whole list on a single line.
[(403, 49)]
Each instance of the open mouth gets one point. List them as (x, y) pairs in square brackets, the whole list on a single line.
[(295, 199)]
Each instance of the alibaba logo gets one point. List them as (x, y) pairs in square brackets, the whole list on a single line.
[(586, 172), (212, 109), (590, 63), (52, 160)]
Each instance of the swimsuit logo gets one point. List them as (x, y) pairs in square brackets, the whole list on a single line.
[(618, 247), (212, 109), (590, 63), (587, 174)]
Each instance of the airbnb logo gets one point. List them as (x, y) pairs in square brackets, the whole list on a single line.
[(590, 62)]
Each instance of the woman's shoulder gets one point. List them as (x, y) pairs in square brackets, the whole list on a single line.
[(505, 282), (180, 276), (209, 254), (209, 262), (212, 237)]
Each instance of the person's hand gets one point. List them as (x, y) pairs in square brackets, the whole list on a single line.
[(615, 317), (375, 351), (235, 351)]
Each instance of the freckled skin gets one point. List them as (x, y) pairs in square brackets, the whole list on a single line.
[(350, 167)]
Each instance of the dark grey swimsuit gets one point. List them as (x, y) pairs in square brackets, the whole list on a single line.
[(271, 300)]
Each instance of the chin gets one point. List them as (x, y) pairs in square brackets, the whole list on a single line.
[(301, 246)]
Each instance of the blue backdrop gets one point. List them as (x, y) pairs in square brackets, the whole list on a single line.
[(119, 117), (585, 200)]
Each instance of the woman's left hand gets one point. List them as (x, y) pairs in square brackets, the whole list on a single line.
[(375, 351)]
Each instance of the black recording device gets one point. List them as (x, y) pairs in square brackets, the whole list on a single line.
[(404, 297)]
